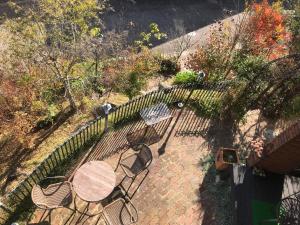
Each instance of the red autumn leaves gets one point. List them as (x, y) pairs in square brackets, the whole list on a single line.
[(270, 33)]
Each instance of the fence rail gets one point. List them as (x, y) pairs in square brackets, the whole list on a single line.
[(95, 129)]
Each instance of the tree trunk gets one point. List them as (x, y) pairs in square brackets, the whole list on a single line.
[(69, 96), (96, 65)]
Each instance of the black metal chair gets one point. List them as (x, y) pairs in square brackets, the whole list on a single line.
[(120, 212), (135, 164), (288, 213), (52, 194)]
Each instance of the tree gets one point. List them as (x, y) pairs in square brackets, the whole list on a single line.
[(55, 35)]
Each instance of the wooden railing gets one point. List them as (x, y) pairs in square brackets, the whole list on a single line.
[(87, 135)]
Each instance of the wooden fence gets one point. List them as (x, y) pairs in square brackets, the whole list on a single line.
[(93, 131)]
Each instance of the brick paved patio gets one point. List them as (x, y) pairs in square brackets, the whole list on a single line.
[(170, 193)]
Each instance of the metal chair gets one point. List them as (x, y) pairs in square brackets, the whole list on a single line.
[(288, 213), (120, 213), (134, 164), (52, 196)]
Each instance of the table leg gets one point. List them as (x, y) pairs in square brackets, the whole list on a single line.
[(84, 213)]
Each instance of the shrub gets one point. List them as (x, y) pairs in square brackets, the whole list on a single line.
[(245, 87), (294, 26), (86, 104), (293, 108), (131, 84), (267, 29), (133, 69), (215, 56), (168, 66), (207, 108), (185, 77)]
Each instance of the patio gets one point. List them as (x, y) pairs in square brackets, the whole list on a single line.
[(176, 189)]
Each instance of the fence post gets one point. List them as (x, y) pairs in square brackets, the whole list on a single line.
[(106, 107)]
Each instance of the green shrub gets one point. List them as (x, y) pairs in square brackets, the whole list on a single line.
[(294, 26), (185, 77), (207, 108), (168, 67), (131, 84), (293, 108)]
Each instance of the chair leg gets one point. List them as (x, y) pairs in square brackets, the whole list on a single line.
[(43, 217), (71, 216), (122, 186), (50, 211), (139, 184), (132, 181), (120, 158)]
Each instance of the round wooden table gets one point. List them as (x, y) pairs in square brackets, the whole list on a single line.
[(94, 181)]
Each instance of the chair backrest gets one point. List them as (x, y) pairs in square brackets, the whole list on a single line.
[(145, 155), (120, 213), (38, 197), (53, 196), (289, 211)]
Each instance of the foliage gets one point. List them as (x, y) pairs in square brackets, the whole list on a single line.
[(246, 86), (267, 29), (54, 35), (293, 108), (120, 73), (44, 60), (260, 31), (209, 108), (207, 162), (168, 66), (135, 85), (185, 77), (146, 39), (246, 67), (86, 104), (294, 26), (214, 56), (239, 51)]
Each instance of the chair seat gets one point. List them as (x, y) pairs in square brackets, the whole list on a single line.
[(54, 196), (132, 165), (117, 213)]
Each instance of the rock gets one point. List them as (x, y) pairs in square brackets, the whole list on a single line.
[(163, 86)]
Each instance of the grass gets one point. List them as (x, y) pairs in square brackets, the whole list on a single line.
[(57, 138)]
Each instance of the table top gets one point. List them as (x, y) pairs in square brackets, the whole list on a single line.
[(94, 181), (155, 114)]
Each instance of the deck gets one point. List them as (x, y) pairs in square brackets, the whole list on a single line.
[(177, 190)]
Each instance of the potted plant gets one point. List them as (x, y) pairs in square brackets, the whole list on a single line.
[(226, 157)]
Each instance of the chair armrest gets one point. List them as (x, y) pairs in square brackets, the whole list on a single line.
[(121, 157), (52, 178), (49, 180)]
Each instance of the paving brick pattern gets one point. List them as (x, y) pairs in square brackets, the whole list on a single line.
[(168, 196)]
